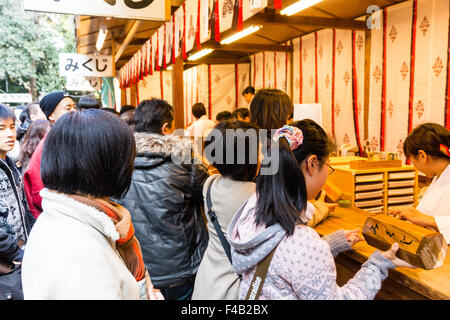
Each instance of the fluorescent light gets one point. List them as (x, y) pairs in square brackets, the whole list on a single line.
[(200, 54), (101, 37), (240, 34), (299, 6)]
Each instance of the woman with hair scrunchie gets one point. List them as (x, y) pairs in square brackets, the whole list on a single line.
[(275, 218)]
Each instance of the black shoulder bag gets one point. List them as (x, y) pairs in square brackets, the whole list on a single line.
[(213, 217)]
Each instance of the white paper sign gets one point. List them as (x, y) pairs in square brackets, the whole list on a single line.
[(311, 111), (255, 4), (15, 97), (83, 84), (85, 65), (128, 9)]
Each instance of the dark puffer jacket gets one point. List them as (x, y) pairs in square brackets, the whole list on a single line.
[(13, 231), (164, 200)]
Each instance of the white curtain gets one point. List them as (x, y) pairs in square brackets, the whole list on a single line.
[(430, 64), (398, 72), (324, 70)]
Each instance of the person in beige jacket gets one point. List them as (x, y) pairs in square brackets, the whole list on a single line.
[(230, 190)]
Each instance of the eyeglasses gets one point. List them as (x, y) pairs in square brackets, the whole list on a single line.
[(330, 168)]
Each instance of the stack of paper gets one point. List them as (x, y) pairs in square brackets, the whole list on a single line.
[(401, 199), (369, 177), (402, 175), (369, 186), (401, 183), (396, 192), (371, 194), (368, 203), (378, 209)]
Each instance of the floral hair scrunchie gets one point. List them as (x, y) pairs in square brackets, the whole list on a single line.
[(292, 134)]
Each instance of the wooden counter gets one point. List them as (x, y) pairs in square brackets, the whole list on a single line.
[(402, 283)]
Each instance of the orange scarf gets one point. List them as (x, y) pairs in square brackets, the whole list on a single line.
[(127, 244)]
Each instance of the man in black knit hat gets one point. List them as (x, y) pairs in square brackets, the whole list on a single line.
[(54, 105)]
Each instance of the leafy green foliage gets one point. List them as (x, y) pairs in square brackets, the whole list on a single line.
[(29, 47)]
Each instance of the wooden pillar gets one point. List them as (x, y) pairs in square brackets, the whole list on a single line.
[(123, 97), (368, 42), (133, 95), (178, 92)]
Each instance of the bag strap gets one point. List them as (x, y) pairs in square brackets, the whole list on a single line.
[(213, 217), (260, 276)]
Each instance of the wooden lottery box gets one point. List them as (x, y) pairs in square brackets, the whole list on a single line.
[(375, 190), (419, 246)]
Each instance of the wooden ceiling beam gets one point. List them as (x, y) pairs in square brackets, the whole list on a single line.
[(249, 47), (325, 12), (134, 42), (129, 37), (217, 61), (309, 21)]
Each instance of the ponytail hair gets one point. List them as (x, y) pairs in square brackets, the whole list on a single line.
[(432, 138), (282, 196)]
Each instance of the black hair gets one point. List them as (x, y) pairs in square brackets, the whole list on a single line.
[(111, 110), (128, 117), (248, 90), (427, 137), (232, 135), (87, 102), (23, 116), (198, 110), (150, 115), (89, 153), (282, 196), (126, 108), (242, 113), (6, 112), (224, 115), (270, 108)]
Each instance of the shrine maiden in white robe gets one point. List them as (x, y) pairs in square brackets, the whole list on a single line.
[(436, 202)]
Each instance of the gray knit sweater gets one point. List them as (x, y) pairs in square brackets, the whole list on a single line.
[(302, 266)]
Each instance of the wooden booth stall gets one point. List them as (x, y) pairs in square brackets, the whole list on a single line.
[(377, 68)]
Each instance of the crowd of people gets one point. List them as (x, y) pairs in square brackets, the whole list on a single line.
[(109, 205)]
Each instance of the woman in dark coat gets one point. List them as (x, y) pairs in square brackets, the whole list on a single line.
[(165, 200)]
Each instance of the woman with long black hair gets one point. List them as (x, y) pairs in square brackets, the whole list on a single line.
[(274, 220)]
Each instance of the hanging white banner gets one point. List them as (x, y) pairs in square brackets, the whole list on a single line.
[(85, 65), (269, 71), (205, 32), (243, 75), (343, 110), (296, 70), (376, 84), (83, 84), (431, 64), (191, 23), (226, 10), (398, 72), (15, 97), (308, 67), (223, 86), (325, 75), (158, 10)]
